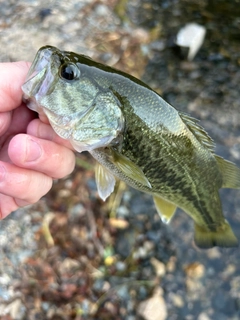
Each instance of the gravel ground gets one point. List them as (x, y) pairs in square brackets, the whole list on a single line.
[(71, 256)]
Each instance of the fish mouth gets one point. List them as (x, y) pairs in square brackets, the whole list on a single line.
[(39, 79), (40, 82)]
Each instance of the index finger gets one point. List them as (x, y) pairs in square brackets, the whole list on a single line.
[(42, 130), (12, 76)]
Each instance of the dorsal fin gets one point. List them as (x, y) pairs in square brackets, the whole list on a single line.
[(198, 131), (230, 173)]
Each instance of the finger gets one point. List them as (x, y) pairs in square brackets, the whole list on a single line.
[(44, 131), (21, 117), (12, 76), (41, 155), (5, 119), (20, 183), (14, 122), (7, 205)]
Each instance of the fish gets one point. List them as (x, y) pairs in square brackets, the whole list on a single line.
[(135, 136)]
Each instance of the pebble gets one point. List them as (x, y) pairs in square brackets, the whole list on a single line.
[(153, 308), (122, 211), (229, 270), (118, 223), (177, 300), (171, 264), (120, 266), (159, 267), (15, 309), (214, 253), (203, 316), (68, 266), (102, 10), (194, 270)]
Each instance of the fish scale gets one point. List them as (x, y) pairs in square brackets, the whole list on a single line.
[(135, 136)]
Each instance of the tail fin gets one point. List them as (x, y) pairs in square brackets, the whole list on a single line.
[(230, 173), (222, 237)]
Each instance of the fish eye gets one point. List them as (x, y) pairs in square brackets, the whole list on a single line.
[(69, 71)]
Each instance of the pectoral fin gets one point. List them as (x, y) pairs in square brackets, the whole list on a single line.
[(105, 181), (164, 208), (230, 173), (129, 168)]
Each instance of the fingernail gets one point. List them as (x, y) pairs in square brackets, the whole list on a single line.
[(34, 151)]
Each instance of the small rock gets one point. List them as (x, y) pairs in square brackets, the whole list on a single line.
[(194, 270), (102, 10), (229, 270), (191, 35), (193, 286), (119, 223), (177, 300), (159, 267), (153, 308), (111, 307), (171, 265), (203, 316), (141, 35), (148, 245), (120, 266), (69, 266), (16, 309), (214, 253)]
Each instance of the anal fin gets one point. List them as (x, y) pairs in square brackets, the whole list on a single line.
[(164, 208), (222, 237)]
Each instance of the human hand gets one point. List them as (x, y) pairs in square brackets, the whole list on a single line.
[(31, 154)]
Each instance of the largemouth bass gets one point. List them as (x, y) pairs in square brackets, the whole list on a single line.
[(135, 136)]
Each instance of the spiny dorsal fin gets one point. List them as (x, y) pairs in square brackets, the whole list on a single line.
[(198, 131), (230, 173)]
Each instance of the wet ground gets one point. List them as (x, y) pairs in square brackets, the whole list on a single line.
[(70, 256)]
